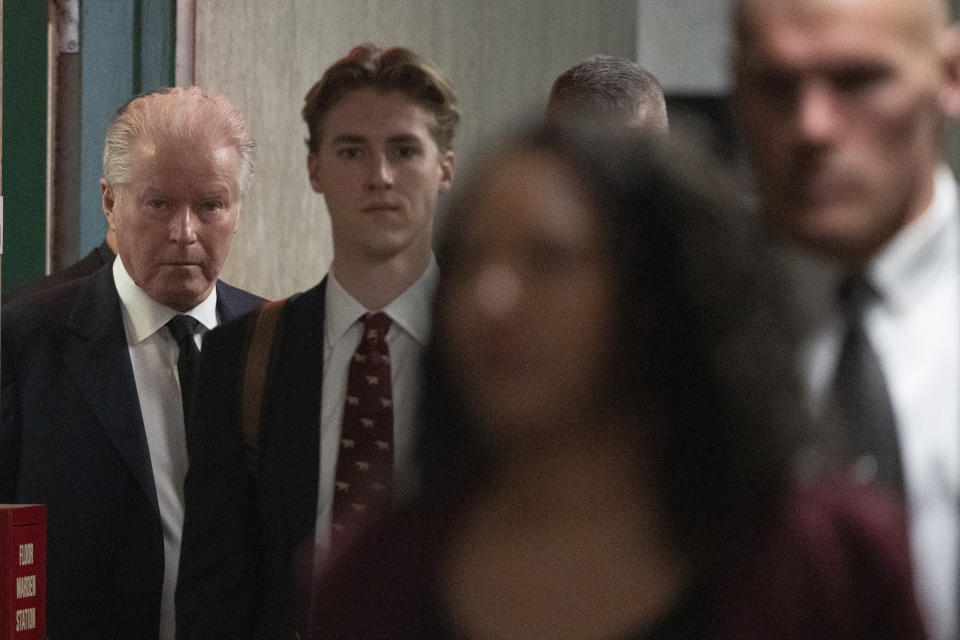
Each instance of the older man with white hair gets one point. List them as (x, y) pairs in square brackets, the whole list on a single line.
[(96, 372)]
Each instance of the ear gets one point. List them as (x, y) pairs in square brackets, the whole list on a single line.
[(448, 163), (313, 170), (949, 95), (109, 203)]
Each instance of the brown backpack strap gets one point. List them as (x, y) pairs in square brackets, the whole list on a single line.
[(253, 385)]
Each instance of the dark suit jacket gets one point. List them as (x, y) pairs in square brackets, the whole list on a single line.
[(100, 256), (241, 533), (72, 437)]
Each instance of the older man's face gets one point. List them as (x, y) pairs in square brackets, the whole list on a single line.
[(839, 102), (176, 218)]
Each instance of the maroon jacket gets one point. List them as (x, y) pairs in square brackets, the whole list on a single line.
[(834, 563)]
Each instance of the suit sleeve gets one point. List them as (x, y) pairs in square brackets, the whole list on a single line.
[(217, 584)]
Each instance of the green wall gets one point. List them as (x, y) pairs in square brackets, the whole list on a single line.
[(126, 48), (24, 141)]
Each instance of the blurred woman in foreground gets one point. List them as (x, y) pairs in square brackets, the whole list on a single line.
[(611, 421)]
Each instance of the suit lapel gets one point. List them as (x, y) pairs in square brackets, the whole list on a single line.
[(100, 361), (233, 302)]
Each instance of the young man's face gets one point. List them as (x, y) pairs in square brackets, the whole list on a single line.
[(839, 102), (380, 172)]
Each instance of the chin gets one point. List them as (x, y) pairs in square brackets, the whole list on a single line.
[(183, 298), (819, 223)]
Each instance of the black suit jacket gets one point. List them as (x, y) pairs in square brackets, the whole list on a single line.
[(100, 256), (72, 437), (241, 533)]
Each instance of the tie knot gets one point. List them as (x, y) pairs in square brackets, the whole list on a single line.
[(856, 294), (182, 326), (376, 325)]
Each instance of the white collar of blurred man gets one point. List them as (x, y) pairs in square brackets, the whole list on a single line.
[(380, 171), (843, 104)]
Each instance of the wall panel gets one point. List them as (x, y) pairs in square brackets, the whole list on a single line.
[(500, 55), (24, 142), (687, 41)]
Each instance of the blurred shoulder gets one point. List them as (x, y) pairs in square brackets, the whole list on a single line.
[(849, 515), (385, 586), (235, 301), (834, 562)]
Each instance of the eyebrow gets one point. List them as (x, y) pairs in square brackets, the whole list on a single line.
[(832, 66), (401, 138), (218, 189), (349, 139)]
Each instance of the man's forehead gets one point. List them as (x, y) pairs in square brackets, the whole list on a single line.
[(368, 114), (161, 146), (936, 8), (912, 20), (157, 161), (834, 35)]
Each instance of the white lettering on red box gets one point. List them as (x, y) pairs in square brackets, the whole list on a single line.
[(26, 586), (26, 619)]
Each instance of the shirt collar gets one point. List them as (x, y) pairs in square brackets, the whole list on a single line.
[(910, 262), (144, 316), (410, 311)]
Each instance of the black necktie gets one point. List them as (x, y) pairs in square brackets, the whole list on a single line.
[(860, 393), (183, 327)]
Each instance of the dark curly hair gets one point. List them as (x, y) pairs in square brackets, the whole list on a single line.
[(705, 355)]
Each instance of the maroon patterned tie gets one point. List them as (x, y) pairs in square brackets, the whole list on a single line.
[(365, 459)]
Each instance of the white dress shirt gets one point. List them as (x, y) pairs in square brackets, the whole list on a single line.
[(915, 330), (409, 332), (153, 354)]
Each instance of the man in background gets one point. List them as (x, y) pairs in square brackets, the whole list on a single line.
[(844, 106), (336, 429), (96, 371), (608, 89)]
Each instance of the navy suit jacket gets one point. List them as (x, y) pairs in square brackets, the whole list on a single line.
[(90, 263), (72, 437), (242, 533)]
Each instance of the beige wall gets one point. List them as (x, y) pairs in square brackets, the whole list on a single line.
[(687, 42), (501, 56)]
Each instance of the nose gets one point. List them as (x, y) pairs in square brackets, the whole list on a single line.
[(497, 291), (380, 174), (182, 226), (817, 114)]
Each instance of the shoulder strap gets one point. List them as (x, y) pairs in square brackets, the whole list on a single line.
[(253, 386)]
